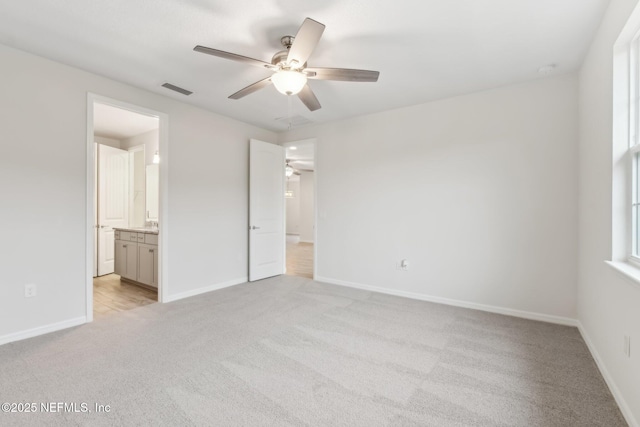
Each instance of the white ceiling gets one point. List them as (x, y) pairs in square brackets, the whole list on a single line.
[(116, 123), (424, 49)]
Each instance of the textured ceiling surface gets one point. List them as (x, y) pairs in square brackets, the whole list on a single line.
[(424, 49)]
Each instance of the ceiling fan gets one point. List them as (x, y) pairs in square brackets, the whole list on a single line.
[(290, 71), (290, 170)]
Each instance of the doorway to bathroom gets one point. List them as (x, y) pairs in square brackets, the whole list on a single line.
[(124, 146)]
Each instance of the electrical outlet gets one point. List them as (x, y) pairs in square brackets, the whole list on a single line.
[(30, 290), (627, 346)]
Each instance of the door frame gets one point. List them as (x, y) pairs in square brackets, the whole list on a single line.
[(163, 147), (316, 216)]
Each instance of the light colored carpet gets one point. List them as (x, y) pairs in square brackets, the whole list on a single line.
[(291, 351)]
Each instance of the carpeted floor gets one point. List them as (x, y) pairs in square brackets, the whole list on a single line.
[(290, 351)]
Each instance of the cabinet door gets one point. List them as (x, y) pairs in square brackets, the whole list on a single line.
[(120, 253), (147, 264), (155, 267), (132, 261), (126, 259)]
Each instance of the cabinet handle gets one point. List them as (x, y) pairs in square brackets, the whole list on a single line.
[(124, 246), (151, 250)]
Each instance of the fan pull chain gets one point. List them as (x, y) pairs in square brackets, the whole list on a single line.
[(289, 111)]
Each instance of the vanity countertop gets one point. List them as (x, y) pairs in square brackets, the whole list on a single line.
[(147, 230)]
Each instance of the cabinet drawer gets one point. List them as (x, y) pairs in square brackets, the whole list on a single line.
[(116, 234), (125, 235), (151, 239)]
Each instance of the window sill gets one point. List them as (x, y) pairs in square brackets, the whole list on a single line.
[(628, 270)]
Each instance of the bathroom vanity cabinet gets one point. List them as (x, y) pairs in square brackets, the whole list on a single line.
[(136, 256)]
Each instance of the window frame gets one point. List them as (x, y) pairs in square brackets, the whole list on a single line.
[(633, 153)]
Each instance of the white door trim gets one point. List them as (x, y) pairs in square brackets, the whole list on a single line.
[(315, 208), (163, 237)]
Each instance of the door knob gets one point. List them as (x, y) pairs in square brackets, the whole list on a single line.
[(253, 227)]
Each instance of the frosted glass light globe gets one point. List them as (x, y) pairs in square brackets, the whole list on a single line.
[(289, 82)]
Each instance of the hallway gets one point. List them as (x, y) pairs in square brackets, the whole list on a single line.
[(299, 257)]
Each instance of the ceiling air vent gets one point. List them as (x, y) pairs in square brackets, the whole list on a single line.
[(177, 89), (294, 120)]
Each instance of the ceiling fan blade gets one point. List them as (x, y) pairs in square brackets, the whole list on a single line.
[(305, 41), (233, 56), (251, 88), (342, 74), (309, 99)]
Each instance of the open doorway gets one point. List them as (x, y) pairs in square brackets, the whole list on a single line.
[(300, 208), (123, 157)]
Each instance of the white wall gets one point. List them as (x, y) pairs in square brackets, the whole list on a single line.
[(137, 189), (43, 187), (150, 140), (478, 192), (608, 304), (307, 212), (293, 207)]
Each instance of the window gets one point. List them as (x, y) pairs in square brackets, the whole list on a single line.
[(625, 177), (633, 153)]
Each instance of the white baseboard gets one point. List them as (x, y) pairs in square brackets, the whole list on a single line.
[(41, 330), (458, 303), (615, 391), (206, 289)]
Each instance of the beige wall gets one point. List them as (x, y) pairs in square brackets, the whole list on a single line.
[(43, 182), (608, 303), (478, 192)]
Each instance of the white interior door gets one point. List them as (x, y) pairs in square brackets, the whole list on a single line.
[(266, 210), (113, 202)]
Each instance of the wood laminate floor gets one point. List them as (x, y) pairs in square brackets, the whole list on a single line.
[(110, 295), (299, 258)]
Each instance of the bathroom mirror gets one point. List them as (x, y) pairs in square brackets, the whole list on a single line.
[(152, 191)]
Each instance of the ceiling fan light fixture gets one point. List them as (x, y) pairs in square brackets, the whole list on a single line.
[(289, 82), (289, 67), (288, 171)]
